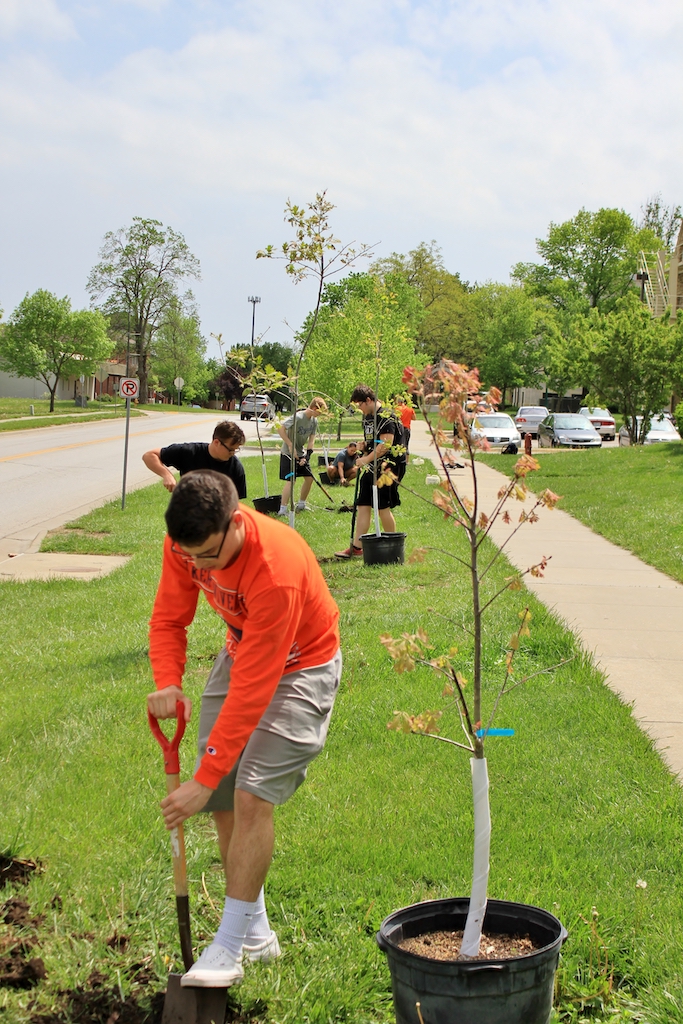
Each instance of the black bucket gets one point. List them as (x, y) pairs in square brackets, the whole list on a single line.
[(321, 461), (387, 549), (514, 991), (326, 482), (268, 505)]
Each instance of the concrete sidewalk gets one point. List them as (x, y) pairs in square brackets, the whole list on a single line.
[(627, 614)]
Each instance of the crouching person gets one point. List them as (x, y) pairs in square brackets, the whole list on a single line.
[(267, 703)]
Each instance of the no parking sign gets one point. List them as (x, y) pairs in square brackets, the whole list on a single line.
[(130, 387)]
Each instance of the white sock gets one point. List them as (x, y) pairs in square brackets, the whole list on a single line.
[(259, 925), (234, 924), (283, 510)]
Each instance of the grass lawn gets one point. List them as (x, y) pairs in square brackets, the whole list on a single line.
[(582, 806), (632, 496)]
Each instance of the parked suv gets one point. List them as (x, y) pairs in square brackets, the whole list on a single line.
[(602, 420), (257, 405), (528, 417)]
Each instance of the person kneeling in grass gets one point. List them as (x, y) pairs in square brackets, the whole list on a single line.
[(266, 706), (344, 467)]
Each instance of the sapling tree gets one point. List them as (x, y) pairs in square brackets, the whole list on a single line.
[(452, 385), (259, 379), (314, 253)]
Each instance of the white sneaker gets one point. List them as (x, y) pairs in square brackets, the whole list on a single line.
[(283, 511), (266, 950), (216, 968), (300, 506)]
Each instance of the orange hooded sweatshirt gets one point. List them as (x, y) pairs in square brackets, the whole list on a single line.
[(280, 616)]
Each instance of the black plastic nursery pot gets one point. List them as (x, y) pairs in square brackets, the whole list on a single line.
[(268, 505), (514, 991), (387, 549)]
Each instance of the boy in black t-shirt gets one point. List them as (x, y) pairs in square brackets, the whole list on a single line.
[(218, 455), (376, 445)]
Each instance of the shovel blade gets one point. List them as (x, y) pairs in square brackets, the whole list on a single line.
[(193, 1005)]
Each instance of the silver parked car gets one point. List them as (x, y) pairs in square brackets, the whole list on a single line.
[(257, 405), (528, 417), (568, 430), (602, 420), (661, 429), (497, 427)]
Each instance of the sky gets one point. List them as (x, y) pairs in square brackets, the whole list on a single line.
[(472, 122)]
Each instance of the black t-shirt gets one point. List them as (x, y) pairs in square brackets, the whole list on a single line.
[(195, 455), (386, 424)]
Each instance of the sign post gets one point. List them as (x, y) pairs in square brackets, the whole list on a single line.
[(179, 382), (129, 388)]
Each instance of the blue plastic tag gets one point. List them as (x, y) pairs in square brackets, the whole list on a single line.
[(494, 732)]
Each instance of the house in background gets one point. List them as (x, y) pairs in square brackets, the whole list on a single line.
[(104, 381)]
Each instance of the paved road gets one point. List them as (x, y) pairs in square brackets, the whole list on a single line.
[(50, 475)]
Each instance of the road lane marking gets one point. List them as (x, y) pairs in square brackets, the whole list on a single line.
[(82, 444)]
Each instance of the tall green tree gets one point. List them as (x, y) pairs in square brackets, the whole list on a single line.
[(358, 315), (635, 362), (663, 221), (45, 339), (179, 350), (137, 281), (588, 261), (449, 328), (511, 330)]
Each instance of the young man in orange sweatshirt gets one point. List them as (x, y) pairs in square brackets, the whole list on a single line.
[(267, 703)]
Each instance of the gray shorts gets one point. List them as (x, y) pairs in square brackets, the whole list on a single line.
[(291, 733)]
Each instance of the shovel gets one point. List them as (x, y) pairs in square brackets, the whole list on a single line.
[(183, 1005)]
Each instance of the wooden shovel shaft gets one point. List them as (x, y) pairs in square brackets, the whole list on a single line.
[(180, 882)]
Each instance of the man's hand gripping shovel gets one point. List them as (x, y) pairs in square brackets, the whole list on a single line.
[(183, 1005)]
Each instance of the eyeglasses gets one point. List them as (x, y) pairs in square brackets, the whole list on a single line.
[(227, 447), (203, 558)]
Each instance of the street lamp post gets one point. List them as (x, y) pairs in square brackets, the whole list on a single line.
[(253, 299)]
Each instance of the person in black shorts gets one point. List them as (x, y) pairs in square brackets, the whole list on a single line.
[(219, 455), (295, 457), (376, 448)]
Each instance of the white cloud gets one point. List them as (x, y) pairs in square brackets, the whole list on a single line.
[(34, 17), (475, 123)]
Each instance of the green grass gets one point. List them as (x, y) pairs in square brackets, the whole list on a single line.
[(631, 496), (58, 421), (582, 805)]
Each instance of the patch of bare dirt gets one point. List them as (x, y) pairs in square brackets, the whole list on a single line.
[(18, 969), (95, 1003), (14, 871), (17, 913), (446, 946)]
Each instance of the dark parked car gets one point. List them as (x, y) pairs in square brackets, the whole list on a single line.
[(568, 430)]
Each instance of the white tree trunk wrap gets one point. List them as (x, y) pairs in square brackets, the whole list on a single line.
[(482, 845), (375, 506), (265, 479)]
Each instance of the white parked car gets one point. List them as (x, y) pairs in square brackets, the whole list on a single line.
[(661, 429), (257, 405), (528, 417), (602, 420), (497, 427)]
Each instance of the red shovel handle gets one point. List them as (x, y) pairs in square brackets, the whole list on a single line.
[(170, 747)]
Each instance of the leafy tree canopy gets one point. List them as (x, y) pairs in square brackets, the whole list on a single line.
[(47, 340), (634, 362), (360, 317), (663, 221), (137, 281), (448, 328), (588, 261), (179, 351)]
